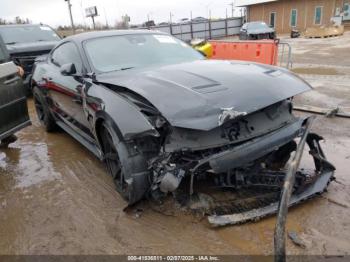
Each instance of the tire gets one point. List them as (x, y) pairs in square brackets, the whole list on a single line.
[(5, 142), (42, 111), (128, 170)]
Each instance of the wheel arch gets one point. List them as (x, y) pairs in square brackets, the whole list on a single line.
[(101, 118), (134, 165)]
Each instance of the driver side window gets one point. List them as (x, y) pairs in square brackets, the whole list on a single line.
[(66, 54), (2, 56)]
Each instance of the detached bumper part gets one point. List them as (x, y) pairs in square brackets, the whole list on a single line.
[(317, 188), (324, 174)]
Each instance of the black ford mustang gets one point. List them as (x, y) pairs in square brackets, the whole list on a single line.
[(163, 117)]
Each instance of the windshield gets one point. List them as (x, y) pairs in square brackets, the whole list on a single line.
[(138, 50), (25, 34), (257, 25)]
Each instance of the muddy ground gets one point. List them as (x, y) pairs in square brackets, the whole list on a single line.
[(55, 196)]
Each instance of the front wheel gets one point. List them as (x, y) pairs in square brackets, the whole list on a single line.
[(129, 171)]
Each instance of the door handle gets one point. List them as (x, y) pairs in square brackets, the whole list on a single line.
[(12, 80)]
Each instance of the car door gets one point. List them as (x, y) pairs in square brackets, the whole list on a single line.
[(13, 103), (66, 90)]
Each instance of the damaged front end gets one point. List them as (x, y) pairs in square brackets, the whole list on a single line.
[(244, 153)]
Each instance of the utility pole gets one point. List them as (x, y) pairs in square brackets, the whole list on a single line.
[(232, 7), (93, 22), (171, 18), (70, 14)]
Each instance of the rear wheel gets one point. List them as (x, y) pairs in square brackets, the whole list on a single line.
[(42, 111)]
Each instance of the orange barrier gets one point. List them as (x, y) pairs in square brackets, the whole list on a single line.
[(261, 51)]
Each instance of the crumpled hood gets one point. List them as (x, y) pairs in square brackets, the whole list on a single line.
[(31, 47), (193, 94)]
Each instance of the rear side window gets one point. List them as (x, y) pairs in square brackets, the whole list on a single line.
[(3, 55), (66, 54)]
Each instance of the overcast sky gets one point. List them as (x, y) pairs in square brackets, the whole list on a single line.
[(55, 12)]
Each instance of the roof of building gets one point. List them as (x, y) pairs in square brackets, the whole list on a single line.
[(252, 2)]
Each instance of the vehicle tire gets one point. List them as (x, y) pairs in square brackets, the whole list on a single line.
[(5, 142), (128, 170), (42, 111)]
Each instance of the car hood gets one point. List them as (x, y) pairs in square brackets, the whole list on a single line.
[(31, 47), (194, 94)]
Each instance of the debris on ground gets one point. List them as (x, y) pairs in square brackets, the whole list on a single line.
[(138, 212), (333, 112), (324, 31), (294, 33), (336, 202), (296, 239)]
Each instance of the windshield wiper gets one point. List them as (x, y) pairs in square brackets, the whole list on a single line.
[(120, 69), (125, 68), (11, 43)]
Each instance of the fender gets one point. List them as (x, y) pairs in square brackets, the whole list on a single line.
[(124, 116)]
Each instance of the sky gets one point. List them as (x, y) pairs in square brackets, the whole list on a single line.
[(55, 12)]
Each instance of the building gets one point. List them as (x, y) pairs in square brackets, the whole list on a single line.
[(287, 14)]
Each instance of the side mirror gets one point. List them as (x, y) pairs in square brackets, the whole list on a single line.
[(68, 69)]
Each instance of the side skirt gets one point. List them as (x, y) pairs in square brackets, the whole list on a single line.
[(90, 146)]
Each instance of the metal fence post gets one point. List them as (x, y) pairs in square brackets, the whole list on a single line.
[(191, 30), (209, 28)]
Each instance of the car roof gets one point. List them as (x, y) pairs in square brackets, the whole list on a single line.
[(79, 38), (23, 25)]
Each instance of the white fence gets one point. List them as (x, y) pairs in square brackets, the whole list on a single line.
[(204, 30)]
